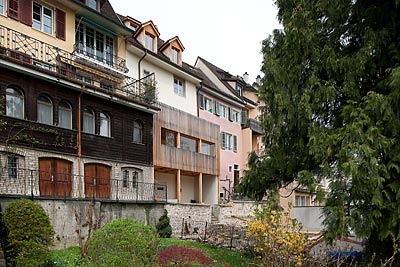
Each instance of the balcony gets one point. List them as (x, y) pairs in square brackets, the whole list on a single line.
[(253, 124), (40, 184), (104, 74)]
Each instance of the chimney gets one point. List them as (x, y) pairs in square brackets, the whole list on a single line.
[(246, 77), (258, 80)]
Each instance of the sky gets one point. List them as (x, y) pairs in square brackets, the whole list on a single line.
[(227, 33)]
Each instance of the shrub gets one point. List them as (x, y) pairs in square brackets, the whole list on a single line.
[(163, 226), (123, 242), (183, 256), (277, 238), (29, 233)]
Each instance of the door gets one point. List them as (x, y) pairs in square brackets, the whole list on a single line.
[(97, 180), (55, 177)]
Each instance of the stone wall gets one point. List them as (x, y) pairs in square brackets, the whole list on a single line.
[(234, 213), (63, 219), (196, 214)]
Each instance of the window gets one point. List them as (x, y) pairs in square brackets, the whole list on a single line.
[(42, 18), (179, 88), (149, 41), (88, 121), (92, 4), (207, 148), (12, 163), (168, 137), (228, 141), (235, 116), (44, 110), (105, 125), (65, 115), (208, 104), (1, 6), (188, 143), (131, 177), (223, 111), (302, 201), (174, 55), (94, 43), (14, 103), (137, 132)]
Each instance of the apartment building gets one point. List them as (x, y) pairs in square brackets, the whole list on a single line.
[(185, 154), (73, 123)]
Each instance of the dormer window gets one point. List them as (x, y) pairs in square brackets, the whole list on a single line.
[(132, 26), (175, 55), (149, 41), (239, 89), (92, 4)]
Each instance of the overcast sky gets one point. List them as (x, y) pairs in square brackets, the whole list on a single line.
[(227, 33)]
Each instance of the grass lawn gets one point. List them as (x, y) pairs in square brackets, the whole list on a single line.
[(70, 257)]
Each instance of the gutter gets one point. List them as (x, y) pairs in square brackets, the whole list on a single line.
[(140, 61)]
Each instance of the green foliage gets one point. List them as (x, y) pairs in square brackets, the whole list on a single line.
[(332, 88), (69, 257), (29, 233), (123, 242), (163, 226)]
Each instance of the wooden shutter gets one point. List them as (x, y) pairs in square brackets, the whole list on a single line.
[(216, 107), (13, 9), (62, 177), (25, 12), (244, 117), (90, 186), (234, 143), (201, 99), (60, 24), (45, 177), (223, 143)]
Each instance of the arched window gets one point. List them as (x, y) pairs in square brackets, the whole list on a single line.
[(65, 115), (105, 125), (137, 131), (14, 103), (88, 121), (44, 110)]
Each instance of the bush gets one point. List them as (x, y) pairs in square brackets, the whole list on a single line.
[(183, 256), (123, 242), (29, 234), (163, 227)]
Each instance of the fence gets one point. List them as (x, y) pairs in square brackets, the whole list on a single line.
[(220, 235), (34, 183)]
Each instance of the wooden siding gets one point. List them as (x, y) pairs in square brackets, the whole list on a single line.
[(118, 147), (189, 125)]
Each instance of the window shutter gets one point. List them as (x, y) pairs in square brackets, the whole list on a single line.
[(60, 24), (230, 114), (216, 107), (13, 9), (244, 117), (201, 99), (234, 143), (25, 12), (223, 144)]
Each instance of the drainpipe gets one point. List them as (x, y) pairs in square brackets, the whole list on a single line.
[(140, 60), (78, 141), (198, 98)]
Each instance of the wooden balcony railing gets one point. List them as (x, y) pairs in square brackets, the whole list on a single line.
[(106, 74), (41, 184)]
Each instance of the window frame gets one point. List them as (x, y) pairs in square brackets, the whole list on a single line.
[(12, 96), (13, 166), (42, 25), (223, 111), (149, 41), (174, 55), (179, 87), (138, 126), (65, 109), (104, 117), (2, 7), (186, 143), (92, 115), (48, 104)]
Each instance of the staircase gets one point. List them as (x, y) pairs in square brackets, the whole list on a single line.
[(2, 259)]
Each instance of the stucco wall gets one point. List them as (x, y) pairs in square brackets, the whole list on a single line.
[(310, 217)]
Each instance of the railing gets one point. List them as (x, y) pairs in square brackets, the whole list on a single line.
[(106, 74), (35, 184), (254, 125)]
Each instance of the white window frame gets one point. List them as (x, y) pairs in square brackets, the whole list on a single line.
[(208, 104), (45, 104), (149, 41), (223, 111), (41, 25), (175, 55), (179, 87), (88, 2), (2, 7), (235, 116), (105, 118)]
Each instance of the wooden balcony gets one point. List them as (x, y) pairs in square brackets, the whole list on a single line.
[(102, 74)]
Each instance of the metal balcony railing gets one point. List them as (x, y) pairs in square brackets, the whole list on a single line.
[(36, 184), (253, 124), (105, 73)]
